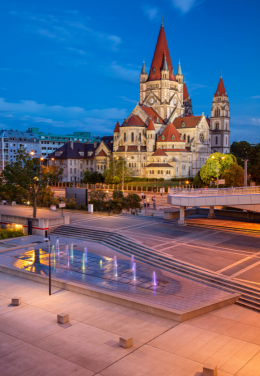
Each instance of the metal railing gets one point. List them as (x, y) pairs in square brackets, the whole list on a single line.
[(214, 191)]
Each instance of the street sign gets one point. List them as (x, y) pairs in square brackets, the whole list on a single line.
[(62, 205), (220, 181), (162, 190)]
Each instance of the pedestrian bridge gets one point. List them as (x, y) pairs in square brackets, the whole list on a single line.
[(247, 198)]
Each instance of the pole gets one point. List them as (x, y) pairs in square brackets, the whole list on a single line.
[(245, 172), (123, 185), (217, 172), (49, 266)]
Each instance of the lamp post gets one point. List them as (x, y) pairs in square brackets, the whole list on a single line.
[(218, 159), (47, 239)]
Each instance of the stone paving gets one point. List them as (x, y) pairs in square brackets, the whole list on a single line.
[(97, 267), (33, 343)]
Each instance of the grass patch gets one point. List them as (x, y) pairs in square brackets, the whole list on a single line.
[(6, 233)]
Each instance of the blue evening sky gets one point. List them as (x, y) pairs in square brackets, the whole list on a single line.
[(74, 65)]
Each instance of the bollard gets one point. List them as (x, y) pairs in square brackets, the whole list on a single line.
[(16, 301), (63, 318), (125, 342)]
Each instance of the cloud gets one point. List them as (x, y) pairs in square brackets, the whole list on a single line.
[(255, 97), (150, 12), (70, 28), (128, 100), (28, 113), (127, 74), (185, 5), (81, 52)]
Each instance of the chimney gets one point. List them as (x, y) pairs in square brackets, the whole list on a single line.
[(95, 144), (71, 144)]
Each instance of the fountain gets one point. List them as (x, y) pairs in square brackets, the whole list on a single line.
[(71, 250), (154, 279), (83, 261), (100, 263), (115, 269), (53, 250), (132, 262), (115, 260), (86, 254), (134, 271), (58, 247)]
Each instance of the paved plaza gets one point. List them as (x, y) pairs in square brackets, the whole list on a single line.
[(33, 343)]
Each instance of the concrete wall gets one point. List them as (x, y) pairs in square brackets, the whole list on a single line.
[(229, 213), (39, 225)]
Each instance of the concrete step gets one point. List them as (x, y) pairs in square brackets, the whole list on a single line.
[(250, 296)]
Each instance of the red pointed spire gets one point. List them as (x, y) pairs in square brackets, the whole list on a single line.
[(117, 127), (221, 88), (150, 126), (185, 92), (161, 50)]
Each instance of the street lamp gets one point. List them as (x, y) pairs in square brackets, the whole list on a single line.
[(218, 159), (32, 153), (49, 240)]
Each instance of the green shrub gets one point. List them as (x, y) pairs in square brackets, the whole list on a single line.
[(161, 179), (6, 233)]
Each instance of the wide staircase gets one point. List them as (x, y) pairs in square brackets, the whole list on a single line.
[(250, 296)]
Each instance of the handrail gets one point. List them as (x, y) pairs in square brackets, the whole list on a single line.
[(179, 191)]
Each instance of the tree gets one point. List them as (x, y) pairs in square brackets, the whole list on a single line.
[(209, 170), (118, 202), (93, 178), (98, 199), (240, 149), (234, 176), (255, 173), (27, 173), (132, 201), (114, 174)]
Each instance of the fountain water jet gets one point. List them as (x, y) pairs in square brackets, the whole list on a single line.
[(71, 250), (100, 263), (132, 262), (86, 254), (53, 250), (83, 261), (58, 247), (154, 279), (115, 260), (134, 271)]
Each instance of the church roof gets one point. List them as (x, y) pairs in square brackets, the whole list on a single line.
[(150, 126), (185, 92), (170, 134), (186, 122), (102, 154), (221, 88), (161, 50), (152, 114), (159, 165), (159, 152), (116, 127), (134, 120)]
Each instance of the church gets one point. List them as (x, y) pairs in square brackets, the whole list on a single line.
[(161, 137)]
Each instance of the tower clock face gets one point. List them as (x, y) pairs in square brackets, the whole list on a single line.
[(151, 100)]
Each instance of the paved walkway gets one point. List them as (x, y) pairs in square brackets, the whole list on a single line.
[(33, 343)]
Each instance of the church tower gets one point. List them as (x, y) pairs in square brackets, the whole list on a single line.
[(220, 120), (161, 90), (187, 100)]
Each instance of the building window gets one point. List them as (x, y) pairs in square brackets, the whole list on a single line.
[(188, 138), (217, 126), (132, 136), (124, 137), (216, 140), (154, 71), (217, 112), (185, 137)]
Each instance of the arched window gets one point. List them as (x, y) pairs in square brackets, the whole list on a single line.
[(217, 126), (216, 140), (217, 112), (124, 136), (184, 137), (132, 136), (161, 171), (188, 138), (153, 171), (153, 70)]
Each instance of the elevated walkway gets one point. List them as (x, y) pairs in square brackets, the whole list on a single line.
[(246, 198)]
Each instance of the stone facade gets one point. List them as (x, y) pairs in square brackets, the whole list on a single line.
[(161, 137)]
